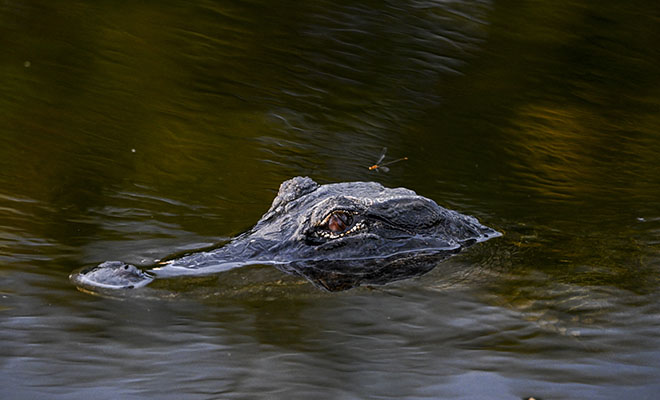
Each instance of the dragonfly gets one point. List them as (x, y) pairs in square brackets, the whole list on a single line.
[(383, 167)]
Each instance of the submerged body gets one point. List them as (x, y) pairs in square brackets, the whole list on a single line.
[(337, 235)]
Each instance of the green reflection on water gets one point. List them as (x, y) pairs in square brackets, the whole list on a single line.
[(129, 131)]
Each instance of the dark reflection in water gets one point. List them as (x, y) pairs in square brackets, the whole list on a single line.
[(131, 131)]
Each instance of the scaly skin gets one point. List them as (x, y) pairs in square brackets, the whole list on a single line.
[(338, 236)]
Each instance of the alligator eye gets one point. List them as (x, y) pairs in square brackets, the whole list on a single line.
[(339, 221)]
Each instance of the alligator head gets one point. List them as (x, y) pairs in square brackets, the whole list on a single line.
[(356, 220), (337, 235)]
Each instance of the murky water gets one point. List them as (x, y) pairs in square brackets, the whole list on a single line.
[(134, 131)]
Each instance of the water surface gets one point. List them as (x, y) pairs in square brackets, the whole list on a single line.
[(134, 131)]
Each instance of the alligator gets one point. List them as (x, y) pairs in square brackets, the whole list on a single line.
[(337, 236)]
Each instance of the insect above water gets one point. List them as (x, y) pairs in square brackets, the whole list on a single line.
[(382, 167)]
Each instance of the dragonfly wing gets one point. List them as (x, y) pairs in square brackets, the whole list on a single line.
[(382, 156)]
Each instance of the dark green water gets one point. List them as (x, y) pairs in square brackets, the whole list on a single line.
[(134, 130)]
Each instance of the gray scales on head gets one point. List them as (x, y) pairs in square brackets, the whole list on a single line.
[(338, 236)]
